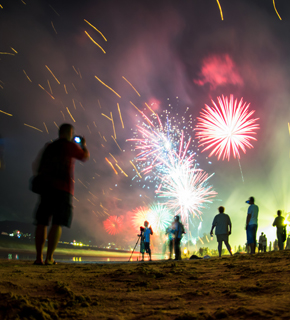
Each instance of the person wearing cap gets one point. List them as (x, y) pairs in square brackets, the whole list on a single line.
[(252, 224), (279, 223), (223, 225)]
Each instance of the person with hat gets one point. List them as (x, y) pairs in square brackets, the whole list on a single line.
[(252, 224)]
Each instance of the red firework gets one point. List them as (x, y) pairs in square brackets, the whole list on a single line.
[(226, 127), (113, 225)]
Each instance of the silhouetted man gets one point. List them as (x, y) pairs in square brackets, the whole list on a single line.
[(223, 228), (279, 223), (147, 233), (252, 224), (178, 232), (56, 168)]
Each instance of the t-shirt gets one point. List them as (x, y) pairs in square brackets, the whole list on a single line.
[(279, 222), (253, 210), (179, 229), (147, 233), (221, 222), (58, 162)]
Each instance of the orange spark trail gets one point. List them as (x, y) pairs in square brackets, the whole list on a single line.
[(75, 70), (110, 163), (120, 115), (117, 143), (89, 129), (135, 107), (135, 169), (150, 109), (23, 2), (95, 29), (74, 87), (1, 6), (81, 105), (54, 10), (27, 76), (108, 87), (9, 53), (53, 27), (7, 114), (70, 114), (94, 42), (131, 86), (62, 115), (1, 87), (45, 128), (52, 74), (121, 170), (14, 50), (27, 125), (106, 116), (65, 89), (276, 10), (221, 12), (46, 91), (49, 86), (99, 104), (56, 124), (80, 73), (113, 125), (94, 124), (74, 104), (113, 157), (104, 138), (82, 183)]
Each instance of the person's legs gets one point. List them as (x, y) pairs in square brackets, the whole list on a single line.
[(170, 248), (53, 238), (177, 249), (220, 246), (40, 237), (228, 247), (280, 242), (265, 248)]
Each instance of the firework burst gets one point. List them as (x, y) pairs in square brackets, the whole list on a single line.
[(140, 215), (187, 191), (113, 225), (226, 128), (159, 217)]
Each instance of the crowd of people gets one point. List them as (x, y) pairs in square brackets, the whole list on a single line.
[(53, 181)]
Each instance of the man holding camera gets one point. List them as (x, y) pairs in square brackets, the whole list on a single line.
[(56, 166), (252, 224)]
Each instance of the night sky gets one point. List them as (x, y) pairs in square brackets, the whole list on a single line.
[(166, 49)]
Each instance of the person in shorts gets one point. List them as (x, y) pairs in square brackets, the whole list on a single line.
[(223, 228), (252, 224), (56, 166), (147, 232)]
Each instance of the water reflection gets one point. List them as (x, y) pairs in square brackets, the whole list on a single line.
[(79, 259)]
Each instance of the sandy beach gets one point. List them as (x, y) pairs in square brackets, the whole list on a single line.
[(238, 287)]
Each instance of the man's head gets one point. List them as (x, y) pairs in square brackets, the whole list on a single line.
[(146, 224), (262, 233), (279, 213), (221, 209), (251, 200), (176, 218), (66, 131)]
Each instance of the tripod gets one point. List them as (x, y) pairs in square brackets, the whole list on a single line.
[(134, 247)]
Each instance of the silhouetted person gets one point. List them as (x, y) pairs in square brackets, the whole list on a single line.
[(170, 233), (178, 232), (279, 223), (288, 242), (262, 242), (252, 224), (147, 232), (57, 169), (223, 228)]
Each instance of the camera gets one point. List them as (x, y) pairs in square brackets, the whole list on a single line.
[(248, 202), (78, 139)]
